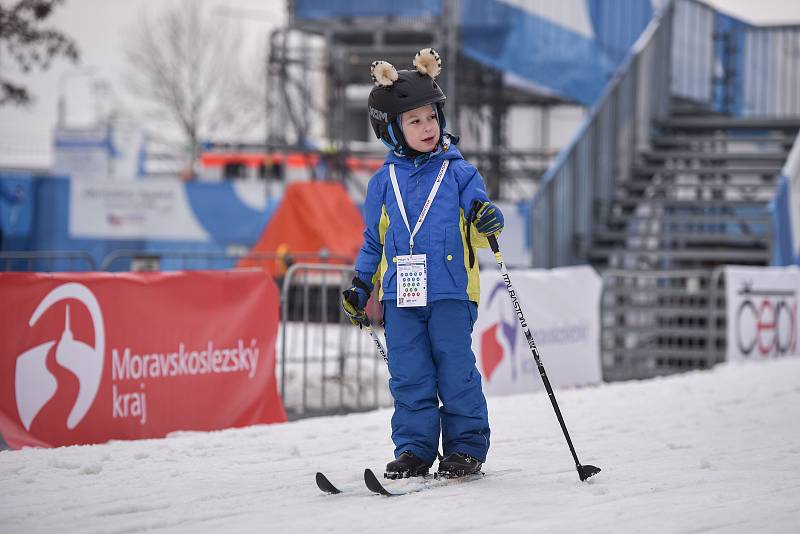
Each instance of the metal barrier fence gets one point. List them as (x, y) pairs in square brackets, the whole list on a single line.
[(326, 365), (661, 322), (577, 189), (172, 260), (162, 260), (46, 261), (652, 323)]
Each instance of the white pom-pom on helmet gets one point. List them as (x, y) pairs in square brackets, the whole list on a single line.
[(428, 61), (398, 91), (383, 73)]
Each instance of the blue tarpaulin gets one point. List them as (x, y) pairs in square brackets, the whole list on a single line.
[(567, 47)]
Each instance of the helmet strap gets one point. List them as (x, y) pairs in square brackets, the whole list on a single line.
[(398, 139), (440, 116)]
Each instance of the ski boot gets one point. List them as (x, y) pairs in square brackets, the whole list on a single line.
[(458, 465), (407, 465)]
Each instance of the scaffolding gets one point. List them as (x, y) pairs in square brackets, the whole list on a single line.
[(335, 54)]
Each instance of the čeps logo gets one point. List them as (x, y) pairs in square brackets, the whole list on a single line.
[(766, 321), (35, 385)]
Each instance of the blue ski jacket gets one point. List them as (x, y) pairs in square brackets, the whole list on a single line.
[(442, 236)]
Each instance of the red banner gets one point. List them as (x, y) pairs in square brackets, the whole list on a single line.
[(97, 356)]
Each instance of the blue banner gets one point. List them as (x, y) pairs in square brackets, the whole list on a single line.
[(98, 217)]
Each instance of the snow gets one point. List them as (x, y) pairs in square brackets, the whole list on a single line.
[(713, 451)]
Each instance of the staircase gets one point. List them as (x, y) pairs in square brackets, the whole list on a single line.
[(659, 193), (696, 200)]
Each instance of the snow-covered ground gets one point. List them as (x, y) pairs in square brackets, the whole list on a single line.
[(715, 451)]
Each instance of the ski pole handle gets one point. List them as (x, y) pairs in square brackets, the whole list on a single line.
[(493, 243), (473, 212)]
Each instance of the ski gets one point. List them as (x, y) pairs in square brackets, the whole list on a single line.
[(375, 486), (325, 485)]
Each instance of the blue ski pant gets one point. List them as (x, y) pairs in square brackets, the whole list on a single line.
[(431, 359)]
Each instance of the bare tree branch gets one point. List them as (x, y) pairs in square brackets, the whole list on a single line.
[(186, 66), (30, 46)]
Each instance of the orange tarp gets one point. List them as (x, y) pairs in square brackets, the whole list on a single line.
[(312, 216)]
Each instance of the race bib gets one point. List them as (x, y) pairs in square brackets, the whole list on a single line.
[(412, 281)]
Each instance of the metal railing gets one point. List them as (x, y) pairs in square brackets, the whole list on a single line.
[(577, 190), (46, 261), (661, 322), (171, 260), (716, 344), (326, 365)]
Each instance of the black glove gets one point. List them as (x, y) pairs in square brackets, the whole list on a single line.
[(354, 300)]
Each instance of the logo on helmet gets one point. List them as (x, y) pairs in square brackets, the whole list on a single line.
[(378, 115)]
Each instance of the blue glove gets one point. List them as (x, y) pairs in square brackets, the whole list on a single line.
[(489, 219), (354, 300)]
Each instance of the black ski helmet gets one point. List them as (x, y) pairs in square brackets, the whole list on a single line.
[(396, 92)]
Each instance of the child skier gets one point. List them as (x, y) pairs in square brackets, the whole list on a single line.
[(419, 245)]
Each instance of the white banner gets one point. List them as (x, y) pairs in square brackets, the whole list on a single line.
[(132, 210), (762, 313), (562, 309), (111, 153)]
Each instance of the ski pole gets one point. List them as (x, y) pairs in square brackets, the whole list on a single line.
[(377, 341), (366, 322), (584, 471)]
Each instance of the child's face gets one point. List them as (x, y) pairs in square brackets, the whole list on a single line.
[(421, 128)]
